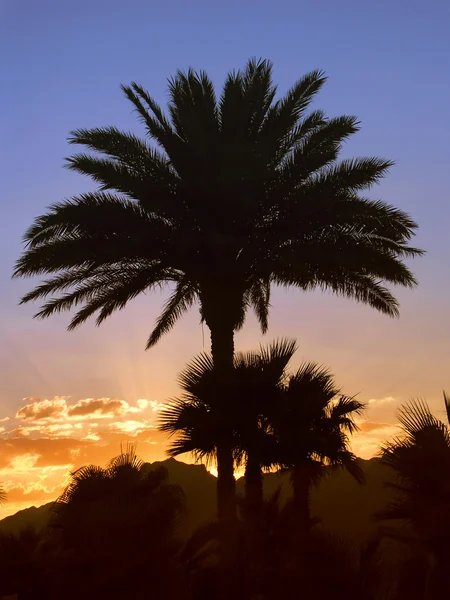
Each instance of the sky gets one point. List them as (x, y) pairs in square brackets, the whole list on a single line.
[(67, 399)]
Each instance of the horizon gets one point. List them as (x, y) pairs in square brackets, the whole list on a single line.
[(68, 399)]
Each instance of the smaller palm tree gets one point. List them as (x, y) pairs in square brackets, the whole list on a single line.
[(298, 422), (420, 461), (312, 428), (117, 522), (252, 390), (2, 496)]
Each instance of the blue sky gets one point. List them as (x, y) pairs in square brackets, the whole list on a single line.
[(387, 62)]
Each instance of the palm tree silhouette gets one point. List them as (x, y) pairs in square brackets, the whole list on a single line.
[(253, 389), (420, 460), (240, 193), (116, 523), (312, 426), (299, 422)]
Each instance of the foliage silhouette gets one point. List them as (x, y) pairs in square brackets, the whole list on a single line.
[(312, 426), (113, 524), (298, 422), (20, 570), (104, 559), (420, 459), (241, 192)]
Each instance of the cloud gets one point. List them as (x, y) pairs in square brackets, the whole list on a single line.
[(58, 409), (50, 437), (39, 410), (130, 426), (371, 437), (101, 407), (370, 426), (379, 401)]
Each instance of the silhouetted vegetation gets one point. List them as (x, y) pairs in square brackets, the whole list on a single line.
[(242, 192), (226, 197), (278, 420), (120, 531)]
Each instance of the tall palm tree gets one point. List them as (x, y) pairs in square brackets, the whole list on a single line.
[(420, 460), (312, 427), (253, 389), (224, 198)]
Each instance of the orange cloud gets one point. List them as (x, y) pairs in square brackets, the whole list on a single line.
[(39, 410), (380, 401), (369, 426), (371, 436), (58, 409), (34, 470), (105, 407)]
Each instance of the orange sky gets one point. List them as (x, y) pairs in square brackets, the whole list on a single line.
[(59, 427), (69, 422), (68, 399), (47, 438)]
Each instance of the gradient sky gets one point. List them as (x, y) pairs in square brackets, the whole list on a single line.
[(71, 398)]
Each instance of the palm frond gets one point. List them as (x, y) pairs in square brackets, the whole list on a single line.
[(195, 373), (81, 215), (343, 410), (447, 406), (259, 298), (197, 431), (126, 458), (318, 149), (179, 302), (285, 210), (158, 127), (415, 416), (355, 174), (193, 109), (284, 115)]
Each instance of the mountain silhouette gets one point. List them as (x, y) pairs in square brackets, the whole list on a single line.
[(343, 506)]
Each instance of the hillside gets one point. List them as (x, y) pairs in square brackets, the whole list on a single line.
[(343, 506)]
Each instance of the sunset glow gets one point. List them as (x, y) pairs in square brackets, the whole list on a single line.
[(69, 399)]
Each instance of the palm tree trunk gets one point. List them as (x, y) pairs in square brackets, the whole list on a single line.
[(253, 486), (226, 483), (222, 350), (301, 486)]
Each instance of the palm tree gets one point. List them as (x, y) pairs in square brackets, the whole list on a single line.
[(114, 523), (2, 496), (312, 427), (225, 198), (420, 460), (253, 389), (298, 422)]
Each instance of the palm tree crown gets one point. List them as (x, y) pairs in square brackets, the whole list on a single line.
[(315, 419), (128, 499), (299, 422), (420, 459), (225, 197), (252, 389)]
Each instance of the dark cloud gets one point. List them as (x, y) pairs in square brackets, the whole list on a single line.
[(100, 406)]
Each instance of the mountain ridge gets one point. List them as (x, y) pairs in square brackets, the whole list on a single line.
[(343, 506)]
